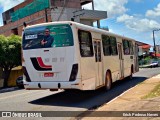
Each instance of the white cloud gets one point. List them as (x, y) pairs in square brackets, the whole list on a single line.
[(154, 13), (7, 4), (113, 7), (138, 24), (124, 17)]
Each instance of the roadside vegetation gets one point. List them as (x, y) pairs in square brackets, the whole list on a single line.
[(154, 93), (10, 55)]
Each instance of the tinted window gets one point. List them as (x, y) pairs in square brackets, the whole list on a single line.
[(59, 36), (106, 45), (109, 45), (85, 42), (131, 47), (128, 47), (113, 45)]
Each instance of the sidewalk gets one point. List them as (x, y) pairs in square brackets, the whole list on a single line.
[(131, 101)]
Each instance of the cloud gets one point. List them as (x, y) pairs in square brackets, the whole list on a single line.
[(138, 24), (113, 7), (154, 13), (124, 18), (7, 4)]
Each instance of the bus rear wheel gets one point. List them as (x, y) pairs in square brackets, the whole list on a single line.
[(131, 75), (108, 81)]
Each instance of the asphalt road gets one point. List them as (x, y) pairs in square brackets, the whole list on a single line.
[(43, 100)]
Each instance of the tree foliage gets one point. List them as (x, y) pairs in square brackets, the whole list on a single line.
[(10, 54)]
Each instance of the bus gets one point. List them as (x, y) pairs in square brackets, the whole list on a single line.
[(78, 57)]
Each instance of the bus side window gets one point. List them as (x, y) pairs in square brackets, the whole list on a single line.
[(106, 45), (109, 45), (126, 48), (85, 42), (131, 47), (113, 44)]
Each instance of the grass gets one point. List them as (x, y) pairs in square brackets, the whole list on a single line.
[(154, 93)]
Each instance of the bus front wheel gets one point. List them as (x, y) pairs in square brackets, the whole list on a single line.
[(108, 81)]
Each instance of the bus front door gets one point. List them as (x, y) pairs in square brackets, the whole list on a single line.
[(121, 60), (98, 62)]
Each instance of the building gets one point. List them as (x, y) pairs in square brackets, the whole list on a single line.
[(143, 48), (40, 11), (158, 49)]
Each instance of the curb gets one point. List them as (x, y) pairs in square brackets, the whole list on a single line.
[(7, 89)]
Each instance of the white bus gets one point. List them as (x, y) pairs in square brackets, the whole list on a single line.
[(78, 57)]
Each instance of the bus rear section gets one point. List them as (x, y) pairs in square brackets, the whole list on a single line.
[(49, 57)]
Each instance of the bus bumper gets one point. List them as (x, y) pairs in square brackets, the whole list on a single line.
[(52, 85)]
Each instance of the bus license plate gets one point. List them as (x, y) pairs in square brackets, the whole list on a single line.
[(48, 74)]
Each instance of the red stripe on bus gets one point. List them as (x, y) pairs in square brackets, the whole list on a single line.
[(41, 64)]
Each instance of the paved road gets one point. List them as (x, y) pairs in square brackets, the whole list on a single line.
[(22, 100)]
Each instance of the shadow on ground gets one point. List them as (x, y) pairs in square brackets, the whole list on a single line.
[(88, 99)]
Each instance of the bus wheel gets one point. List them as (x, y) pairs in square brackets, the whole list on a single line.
[(131, 75), (108, 82)]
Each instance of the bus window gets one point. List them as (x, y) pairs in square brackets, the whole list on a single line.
[(85, 42), (61, 35), (113, 44), (109, 45), (126, 48), (131, 47), (106, 45)]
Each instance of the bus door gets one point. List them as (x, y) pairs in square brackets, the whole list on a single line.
[(121, 60), (98, 62)]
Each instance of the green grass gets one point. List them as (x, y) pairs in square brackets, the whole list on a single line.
[(154, 93)]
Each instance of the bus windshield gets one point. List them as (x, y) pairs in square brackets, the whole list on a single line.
[(47, 37)]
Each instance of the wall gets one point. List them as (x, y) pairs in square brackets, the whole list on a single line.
[(65, 14), (15, 73), (68, 4), (87, 22)]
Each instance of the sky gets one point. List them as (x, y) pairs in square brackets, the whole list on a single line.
[(131, 18)]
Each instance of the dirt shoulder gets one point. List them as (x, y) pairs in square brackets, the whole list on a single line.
[(131, 100)]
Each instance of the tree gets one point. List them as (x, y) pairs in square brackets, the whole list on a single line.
[(10, 54)]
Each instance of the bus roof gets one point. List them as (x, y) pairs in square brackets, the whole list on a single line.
[(79, 25)]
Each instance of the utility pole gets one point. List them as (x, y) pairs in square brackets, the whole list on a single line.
[(92, 5), (154, 44), (155, 51)]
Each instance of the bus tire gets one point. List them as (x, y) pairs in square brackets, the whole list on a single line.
[(131, 75), (108, 81)]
